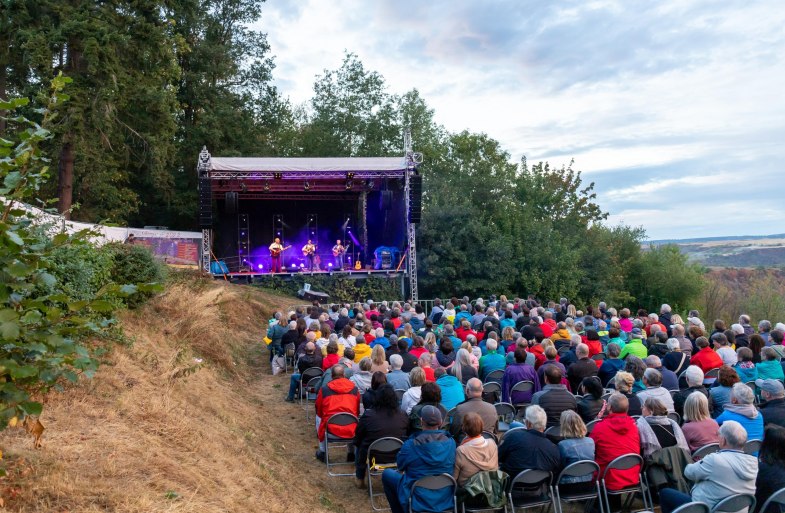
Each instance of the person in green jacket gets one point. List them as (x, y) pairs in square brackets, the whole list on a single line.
[(769, 367), (635, 346)]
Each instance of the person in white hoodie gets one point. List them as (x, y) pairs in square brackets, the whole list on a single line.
[(718, 475)]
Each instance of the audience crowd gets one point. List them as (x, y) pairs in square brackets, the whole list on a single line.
[(477, 387)]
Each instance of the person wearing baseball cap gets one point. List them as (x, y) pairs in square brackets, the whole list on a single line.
[(773, 392), (428, 453)]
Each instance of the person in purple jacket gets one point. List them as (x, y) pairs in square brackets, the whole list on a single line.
[(519, 371)]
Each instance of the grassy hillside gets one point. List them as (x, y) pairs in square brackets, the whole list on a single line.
[(157, 431)]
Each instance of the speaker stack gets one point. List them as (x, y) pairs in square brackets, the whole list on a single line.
[(415, 198), (205, 203)]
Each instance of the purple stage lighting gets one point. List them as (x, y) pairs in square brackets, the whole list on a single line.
[(259, 266), (329, 265), (293, 265), (302, 266)]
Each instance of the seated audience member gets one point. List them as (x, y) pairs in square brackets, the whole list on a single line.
[(656, 430), (551, 358), (624, 383), (338, 396), (332, 355), (378, 379), (694, 378), (742, 410), (590, 405), (428, 453), (611, 365), (773, 394), (653, 381), (491, 360), (554, 397), (529, 448), (311, 358), (409, 361), (379, 360), (383, 420), (636, 367), (699, 428), (724, 349), (397, 378), (614, 436), (451, 388), (445, 355), (771, 461), (519, 371), (718, 475), (719, 394), (361, 350), (635, 346), (463, 369), (593, 342), (581, 369), (474, 404), (575, 446), (362, 378), (412, 395), (475, 452), (769, 367), (745, 368), (675, 360), (418, 347), (706, 358), (430, 395), (670, 381)]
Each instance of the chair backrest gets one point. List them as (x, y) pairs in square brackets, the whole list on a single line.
[(683, 380), (713, 373), (385, 448), (554, 431), (735, 503), (562, 350), (505, 411), (675, 417), (777, 497), (752, 446), (590, 426), (491, 386), (692, 507), (341, 419), (399, 393), (510, 431), (490, 436), (623, 462), (531, 478), (702, 452), (312, 387), (495, 376), (438, 482), (522, 386), (580, 469), (598, 357), (309, 373), (290, 349)]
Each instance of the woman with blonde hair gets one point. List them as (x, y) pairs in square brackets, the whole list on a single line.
[(699, 428), (412, 395), (463, 369), (575, 446), (473, 357), (507, 337), (379, 360), (624, 382)]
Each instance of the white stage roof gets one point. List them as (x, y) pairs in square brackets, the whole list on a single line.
[(250, 164)]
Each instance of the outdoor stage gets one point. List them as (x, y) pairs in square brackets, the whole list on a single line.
[(370, 204)]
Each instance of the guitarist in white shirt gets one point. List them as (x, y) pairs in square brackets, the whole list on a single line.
[(276, 248), (309, 250), (339, 250)]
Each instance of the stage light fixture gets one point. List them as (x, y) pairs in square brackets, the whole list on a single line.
[(259, 266), (349, 175), (266, 186), (279, 233), (330, 265), (306, 186), (293, 265), (277, 176)]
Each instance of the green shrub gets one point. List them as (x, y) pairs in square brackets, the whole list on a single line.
[(134, 264), (81, 270)]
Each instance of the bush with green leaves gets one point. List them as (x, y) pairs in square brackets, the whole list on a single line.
[(134, 264)]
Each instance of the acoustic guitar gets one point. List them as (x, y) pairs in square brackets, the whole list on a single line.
[(277, 252)]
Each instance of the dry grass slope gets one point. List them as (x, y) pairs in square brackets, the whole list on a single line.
[(155, 431)]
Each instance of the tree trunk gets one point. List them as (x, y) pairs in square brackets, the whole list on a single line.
[(65, 180), (3, 97)]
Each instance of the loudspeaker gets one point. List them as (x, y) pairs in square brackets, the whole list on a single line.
[(231, 203), (205, 203), (385, 200), (415, 198)]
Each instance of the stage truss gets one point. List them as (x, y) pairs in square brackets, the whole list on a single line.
[(280, 178)]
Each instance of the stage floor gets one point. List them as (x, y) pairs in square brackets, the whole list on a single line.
[(255, 277)]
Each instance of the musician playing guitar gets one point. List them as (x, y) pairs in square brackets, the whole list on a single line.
[(339, 250), (309, 250), (276, 248)]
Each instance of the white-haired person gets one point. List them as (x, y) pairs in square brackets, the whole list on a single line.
[(742, 410), (719, 475), (652, 378), (694, 377)]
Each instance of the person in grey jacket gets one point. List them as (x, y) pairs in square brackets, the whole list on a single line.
[(718, 475), (653, 381)]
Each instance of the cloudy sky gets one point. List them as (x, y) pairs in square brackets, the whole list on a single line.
[(676, 110)]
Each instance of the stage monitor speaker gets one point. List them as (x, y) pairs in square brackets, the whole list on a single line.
[(415, 198), (385, 200), (312, 295), (205, 203), (231, 203)]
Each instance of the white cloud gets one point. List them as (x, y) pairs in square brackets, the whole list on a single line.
[(639, 90)]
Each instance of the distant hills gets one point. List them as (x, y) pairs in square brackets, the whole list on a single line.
[(733, 251)]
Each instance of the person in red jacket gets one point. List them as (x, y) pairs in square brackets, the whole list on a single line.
[(706, 358), (332, 355), (465, 330), (593, 342), (614, 436), (337, 396)]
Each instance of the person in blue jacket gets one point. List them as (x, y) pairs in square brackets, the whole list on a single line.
[(428, 453), (452, 389), (742, 409)]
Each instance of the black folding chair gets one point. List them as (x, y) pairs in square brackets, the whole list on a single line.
[(692, 507), (335, 441), (738, 502), (590, 426), (311, 393), (702, 452), (581, 468), (491, 392), (399, 393), (381, 455), (479, 504), (506, 414), (530, 481), (625, 462), (777, 498), (307, 375), (752, 446), (675, 417), (495, 376), (598, 357), (289, 353), (521, 386), (439, 482)]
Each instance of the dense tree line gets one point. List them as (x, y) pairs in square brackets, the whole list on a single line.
[(155, 80)]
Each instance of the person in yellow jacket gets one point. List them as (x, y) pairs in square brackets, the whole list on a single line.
[(361, 350)]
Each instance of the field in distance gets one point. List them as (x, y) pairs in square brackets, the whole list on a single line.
[(741, 251)]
